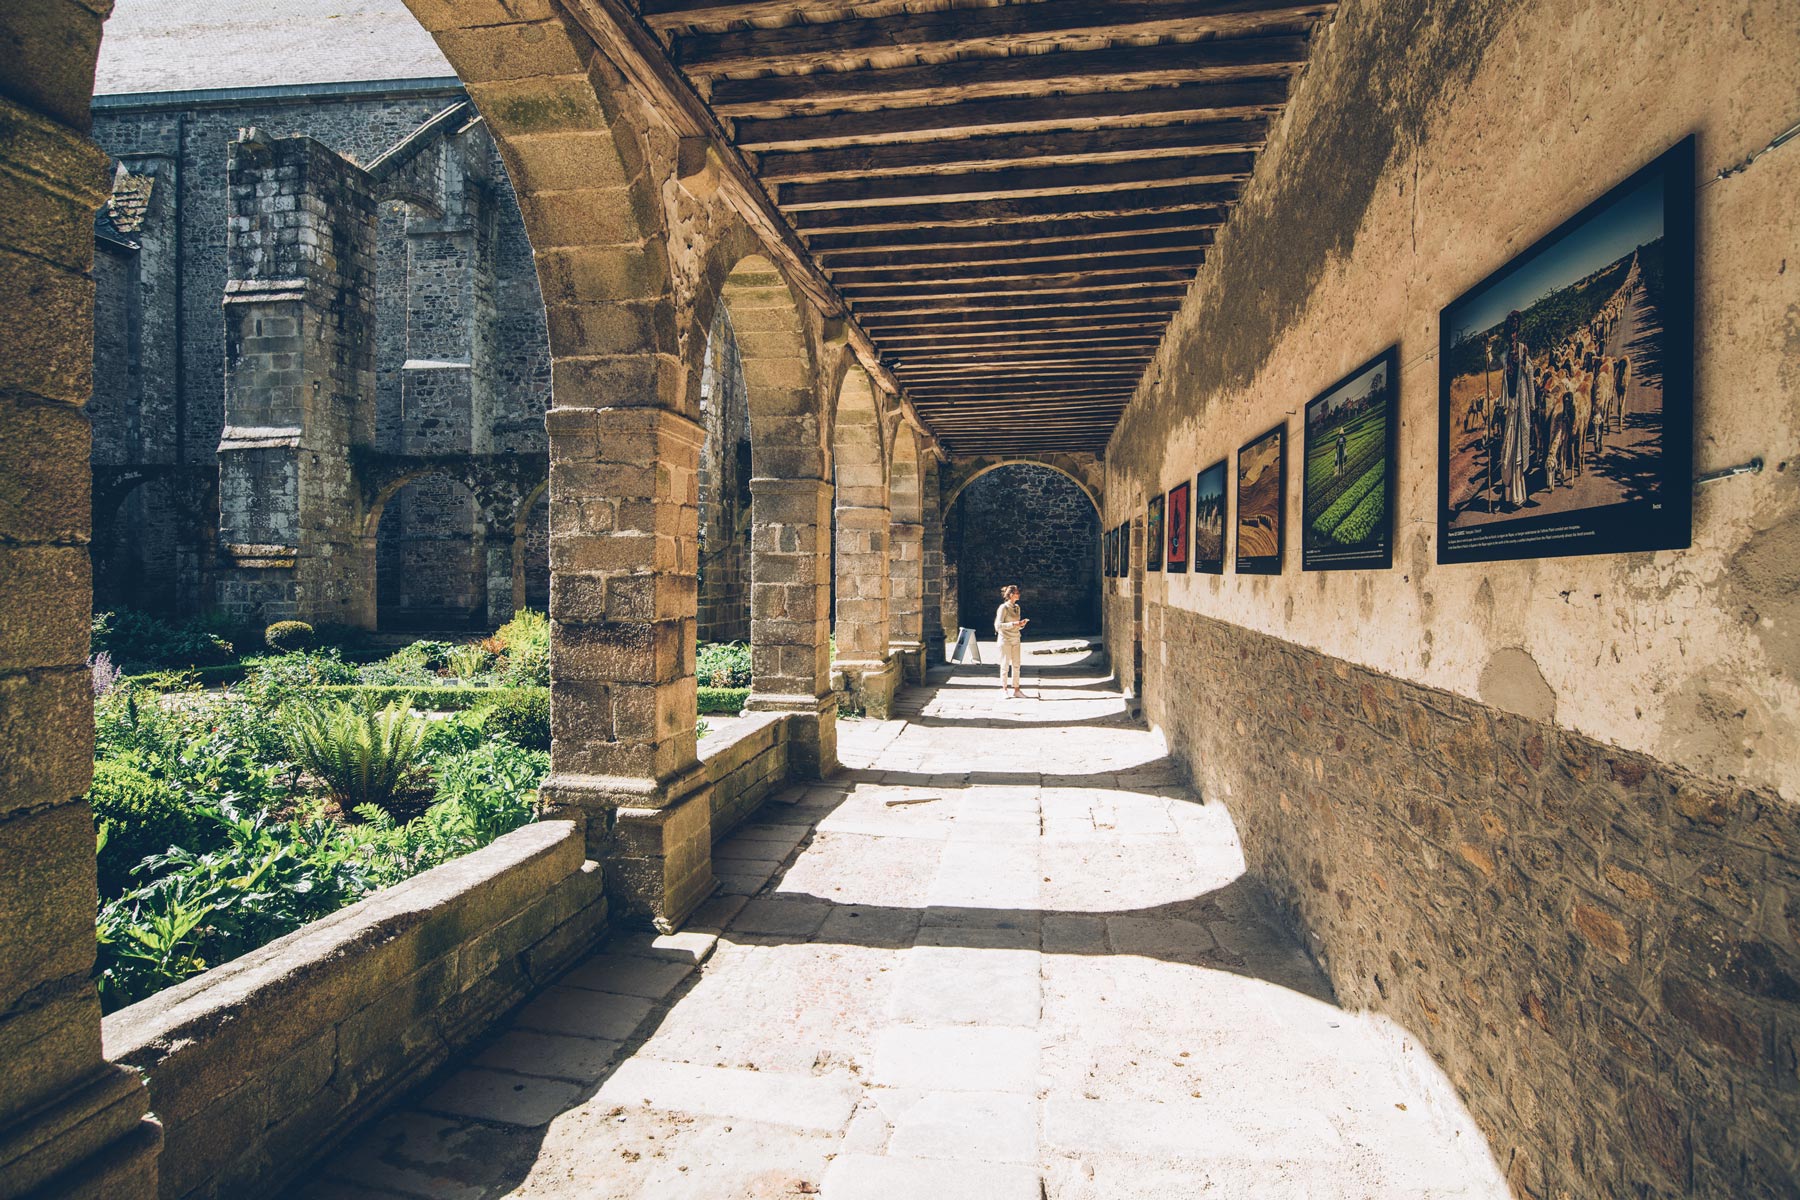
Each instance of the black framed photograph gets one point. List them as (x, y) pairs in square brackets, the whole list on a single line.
[(1153, 534), (1209, 519), (1175, 516), (1125, 550), (1109, 552), (1566, 384), (1261, 502), (1349, 470)]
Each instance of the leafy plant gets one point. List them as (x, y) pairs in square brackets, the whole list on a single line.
[(284, 637), (138, 637), (136, 815), (527, 641), (271, 680), (523, 716), (467, 662), (723, 664), (362, 754)]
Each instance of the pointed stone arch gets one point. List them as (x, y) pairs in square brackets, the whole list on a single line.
[(860, 473)]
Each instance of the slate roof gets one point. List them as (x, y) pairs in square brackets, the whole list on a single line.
[(183, 45)]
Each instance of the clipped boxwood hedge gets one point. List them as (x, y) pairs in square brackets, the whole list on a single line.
[(449, 698), (727, 700)]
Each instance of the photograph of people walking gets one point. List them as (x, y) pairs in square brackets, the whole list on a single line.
[(1566, 391)]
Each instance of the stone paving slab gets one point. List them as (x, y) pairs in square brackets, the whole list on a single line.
[(823, 1105), (869, 1177), (1004, 955)]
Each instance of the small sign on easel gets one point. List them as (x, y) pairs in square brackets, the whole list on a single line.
[(966, 648)]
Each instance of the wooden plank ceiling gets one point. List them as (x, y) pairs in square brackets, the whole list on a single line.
[(1012, 199)]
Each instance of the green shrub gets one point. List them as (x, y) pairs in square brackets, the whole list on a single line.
[(449, 736), (526, 641), (272, 679), (437, 697), (723, 700), (723, 665), (466, 662), (362, 754), (136, 637), (187, 679), (208, 746), (136, 815), (284, 637), (522, 715)]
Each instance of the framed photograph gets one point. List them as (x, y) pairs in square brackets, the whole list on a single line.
[(1349, 471), (1566, 384), (1125, 549), (1175, 516), (1261, 502), (1109, 553), (1153, 535), (1209, 519)]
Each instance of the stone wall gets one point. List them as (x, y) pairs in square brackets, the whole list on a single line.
[(1598, 947), (1034, 527), (1540, 813), (461, 349), (744, 765), (258, 1065)]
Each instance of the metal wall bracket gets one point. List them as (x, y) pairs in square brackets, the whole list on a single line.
[(1753, 467)]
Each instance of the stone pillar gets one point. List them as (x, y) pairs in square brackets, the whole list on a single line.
[(951, 602), (299, 383), (790, 615), (906, 597), (70, 1123), (623, 544), (505, 577), (931, 557), (862, 604)]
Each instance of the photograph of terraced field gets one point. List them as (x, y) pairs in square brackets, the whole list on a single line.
[(1347, 489), (1262, 495)]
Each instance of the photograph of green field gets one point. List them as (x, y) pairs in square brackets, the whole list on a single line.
[(1346, 496)]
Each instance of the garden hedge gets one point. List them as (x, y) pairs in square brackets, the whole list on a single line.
[(726, 700), (449, 698)]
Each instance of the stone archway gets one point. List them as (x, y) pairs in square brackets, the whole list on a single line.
[(863, 520), (790, 504), (906, 555)]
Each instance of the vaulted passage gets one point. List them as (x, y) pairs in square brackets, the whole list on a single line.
[(1003, 946), (1386, 407)]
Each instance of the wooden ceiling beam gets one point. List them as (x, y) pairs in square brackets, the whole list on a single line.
[(1016, 182), (1024, 209), (906, 271), (1201, 221), (1058, 146), (975, 283), (1069, 301), (974, 118), (991, 322), (898, 347), (1117, 68), (836, 44)]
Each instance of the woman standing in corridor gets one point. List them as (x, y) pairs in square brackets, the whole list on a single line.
[(1007, 626)]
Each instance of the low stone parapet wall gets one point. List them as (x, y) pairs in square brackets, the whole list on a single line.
[(258, 1065), (744, 765)]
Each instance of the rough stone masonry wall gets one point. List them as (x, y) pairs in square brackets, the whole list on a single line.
[(258, 1065), (724, 599), (1559, 825), (1034, 527)]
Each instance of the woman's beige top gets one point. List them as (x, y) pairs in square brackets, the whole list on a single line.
[(1006, 622)]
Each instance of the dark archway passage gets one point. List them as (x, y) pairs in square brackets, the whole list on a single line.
[(1035, 527)]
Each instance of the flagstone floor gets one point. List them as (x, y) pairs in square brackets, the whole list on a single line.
[(1005, 954)]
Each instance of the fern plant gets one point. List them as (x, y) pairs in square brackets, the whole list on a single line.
[(362, 754)]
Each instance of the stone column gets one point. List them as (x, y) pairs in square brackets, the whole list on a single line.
[(951, 602), (931, 556), (299, 383), (70, 1123), (862, 604), (624, 535), (906, 597), (501, 551), (790, 615)]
